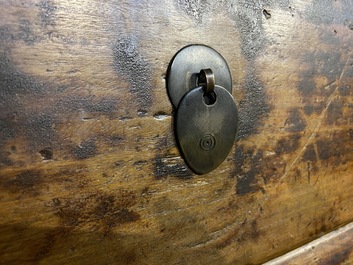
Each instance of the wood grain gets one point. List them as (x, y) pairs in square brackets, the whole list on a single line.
[(333, 248), (89, 169)]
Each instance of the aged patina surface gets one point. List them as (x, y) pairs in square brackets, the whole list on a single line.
[(89, 168)]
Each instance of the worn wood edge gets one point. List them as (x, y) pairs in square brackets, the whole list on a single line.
[(333, 248)]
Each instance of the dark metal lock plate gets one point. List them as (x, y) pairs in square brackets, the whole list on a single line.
[(206, 132), (199, 85), (186, 65)]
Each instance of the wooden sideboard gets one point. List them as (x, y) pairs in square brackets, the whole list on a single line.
[(90, 172)]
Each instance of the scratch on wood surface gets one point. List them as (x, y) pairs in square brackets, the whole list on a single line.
[(317, 179), (309, 172), (317, 127)]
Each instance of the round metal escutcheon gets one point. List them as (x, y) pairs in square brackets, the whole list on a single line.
[(186, 65), (206, 131)]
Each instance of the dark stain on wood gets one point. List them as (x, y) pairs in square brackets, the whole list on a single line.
[(47, 13), (32, 251), (84, 150), (254, 107), (6, 34), (338, 257), (317, 108), (306, 87), (112, 214), (164, 168), (320, 12), (41, 243), (15, 84), (248, 166), (99, 210), (326, 12), (167, 163), (131, 63), (5, 154), (164, 143), (252, 37), (39, 130), (288, 145), (116, 140), (345, 90), (5, 159), (91, 104), (310, 154), (252, 167), (26, 183), (23, 31), (321, 224), (320, 63), (35, 182), (295, 122), (335, 112), (43, 247), (196, 10), (335, 146), (254, 231), (26, 33), (327, 65), (7, 132)]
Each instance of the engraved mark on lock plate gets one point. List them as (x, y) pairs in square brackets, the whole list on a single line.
[(206, 132), (208, 142)]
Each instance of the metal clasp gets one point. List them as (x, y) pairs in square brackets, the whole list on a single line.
[(199, 86)]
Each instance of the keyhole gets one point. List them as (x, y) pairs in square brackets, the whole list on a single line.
[(209, 98)]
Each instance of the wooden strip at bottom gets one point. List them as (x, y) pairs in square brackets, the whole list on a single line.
[(333, 248)]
